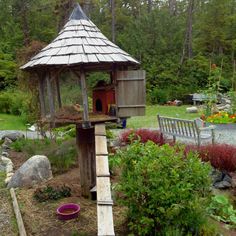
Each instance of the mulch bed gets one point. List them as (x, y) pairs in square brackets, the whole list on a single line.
[(41, 219)]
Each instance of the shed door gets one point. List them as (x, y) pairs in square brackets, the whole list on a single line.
[(131, 93)]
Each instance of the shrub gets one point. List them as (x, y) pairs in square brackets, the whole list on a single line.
[(158, 96), (62, 156), (51, 193), (143, 135), (16, 102), (163, 189), (222, 210), (221, 156)]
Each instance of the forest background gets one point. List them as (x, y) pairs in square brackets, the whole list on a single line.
[(176, 41)]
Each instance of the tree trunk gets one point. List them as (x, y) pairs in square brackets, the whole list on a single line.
[(149, 6), (113, 21), (86, 7), (172, 7), (187, 46), (64, 8)]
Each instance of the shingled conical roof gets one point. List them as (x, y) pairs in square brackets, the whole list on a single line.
[(80, 42)]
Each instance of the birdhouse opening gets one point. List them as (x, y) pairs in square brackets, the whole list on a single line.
[(98, 105)]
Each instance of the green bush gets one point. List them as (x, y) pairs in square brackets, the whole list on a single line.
[(17, 102), (163, 189), (222, 210), (5, 103), (158, 96), (62, 155), (51, 193)]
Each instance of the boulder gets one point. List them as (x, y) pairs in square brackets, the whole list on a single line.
[(191, 109), (35, 170), (13, 136), (7, 141)]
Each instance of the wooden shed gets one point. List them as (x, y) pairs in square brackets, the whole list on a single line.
[(81, 48)]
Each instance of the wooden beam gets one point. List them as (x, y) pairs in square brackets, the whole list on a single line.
[(58, 91), (16, 208), (42, 95), (81, 75), (50, 95)]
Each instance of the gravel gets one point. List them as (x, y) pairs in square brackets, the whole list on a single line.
[(223, 134), (28, 134)]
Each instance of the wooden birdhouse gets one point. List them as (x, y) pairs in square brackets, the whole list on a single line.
[(81, 48)]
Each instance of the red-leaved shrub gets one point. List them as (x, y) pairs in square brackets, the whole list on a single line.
[(144, 135), (221, 156)]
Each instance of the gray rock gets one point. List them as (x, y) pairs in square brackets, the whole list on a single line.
[(227, 178), (221, 179), (191, 110), (7, 141), (2, 167), (217, 176), (222, 185), (5, 147), (5, 154), (5, 160), (9, 168), (34, 170), (13, 136)]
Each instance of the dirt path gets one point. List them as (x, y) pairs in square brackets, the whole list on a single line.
[(8, 226)]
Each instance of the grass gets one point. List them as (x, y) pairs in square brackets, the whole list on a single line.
[(150, 119), (11, 122)]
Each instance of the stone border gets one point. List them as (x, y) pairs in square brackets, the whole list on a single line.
[(8, 167), (5, 161)]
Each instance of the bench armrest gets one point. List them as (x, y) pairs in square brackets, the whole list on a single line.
[(211, 127)]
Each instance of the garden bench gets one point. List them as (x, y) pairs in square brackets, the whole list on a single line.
[(192, 129)]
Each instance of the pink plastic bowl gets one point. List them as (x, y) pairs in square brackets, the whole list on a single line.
[(68, 211)]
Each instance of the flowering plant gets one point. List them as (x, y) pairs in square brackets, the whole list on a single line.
[(222, 118)]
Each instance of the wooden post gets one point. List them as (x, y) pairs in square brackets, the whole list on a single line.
[(58, 92), (42, 96), (85, 99), (114, 82), (86, 145), (50, 95)]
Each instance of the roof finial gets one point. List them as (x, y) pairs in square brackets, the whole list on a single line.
[(78, 13)]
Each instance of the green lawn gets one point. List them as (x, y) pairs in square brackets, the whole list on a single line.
[(11, 122), (150, 119)]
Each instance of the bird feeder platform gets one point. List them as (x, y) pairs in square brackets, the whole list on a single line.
[(70, 115)]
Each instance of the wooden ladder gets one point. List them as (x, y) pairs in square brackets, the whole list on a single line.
[(104, 200)]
